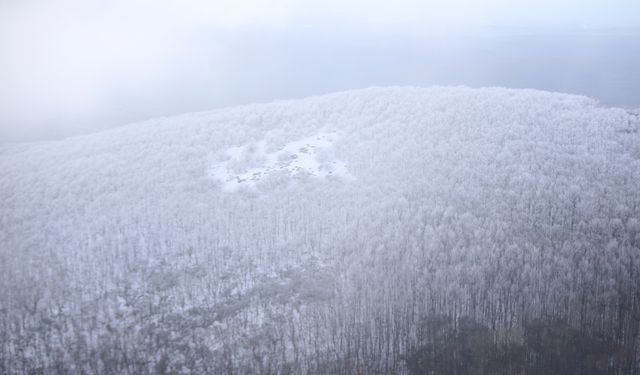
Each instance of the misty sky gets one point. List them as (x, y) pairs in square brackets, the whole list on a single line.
[(72, 66)]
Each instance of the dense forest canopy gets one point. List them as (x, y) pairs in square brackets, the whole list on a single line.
[(470, 231)]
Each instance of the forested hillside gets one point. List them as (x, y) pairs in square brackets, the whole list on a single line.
[(378, 231)]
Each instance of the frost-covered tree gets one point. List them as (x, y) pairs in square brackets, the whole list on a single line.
[(483, 231)]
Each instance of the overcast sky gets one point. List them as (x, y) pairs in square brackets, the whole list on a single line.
[(74, 66)]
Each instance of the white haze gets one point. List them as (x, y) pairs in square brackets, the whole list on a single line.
[(69, 67)]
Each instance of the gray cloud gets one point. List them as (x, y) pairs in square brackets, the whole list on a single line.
[(70, 66)]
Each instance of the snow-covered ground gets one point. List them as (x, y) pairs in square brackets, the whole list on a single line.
[(250, 164)]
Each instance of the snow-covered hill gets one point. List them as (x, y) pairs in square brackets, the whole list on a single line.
[(285, 235)]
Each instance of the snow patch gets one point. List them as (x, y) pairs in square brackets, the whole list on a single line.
[(250, 164)]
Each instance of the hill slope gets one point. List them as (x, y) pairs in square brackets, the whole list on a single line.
[(318, 235)]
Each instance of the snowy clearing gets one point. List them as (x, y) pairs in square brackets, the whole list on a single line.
[(249, 164)]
